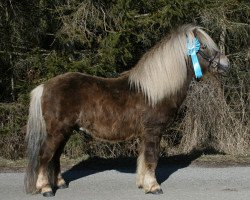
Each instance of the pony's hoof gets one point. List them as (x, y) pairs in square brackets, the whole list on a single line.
[(48, 194), (158, 191), (63, 186), (140, 187)]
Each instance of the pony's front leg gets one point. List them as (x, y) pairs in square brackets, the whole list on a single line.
[(146, 164)]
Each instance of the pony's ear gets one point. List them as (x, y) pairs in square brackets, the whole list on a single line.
[(195, 31)]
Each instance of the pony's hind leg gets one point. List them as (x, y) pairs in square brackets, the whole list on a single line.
[(46, 170), (59, 181), (146, 165), (43, 184)]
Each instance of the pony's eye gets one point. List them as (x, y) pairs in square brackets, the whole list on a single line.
[(204, 46)]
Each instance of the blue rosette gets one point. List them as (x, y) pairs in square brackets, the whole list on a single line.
[(193, 47)]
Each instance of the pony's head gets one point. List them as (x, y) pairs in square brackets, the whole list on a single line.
[(164, 69), (209, 56)]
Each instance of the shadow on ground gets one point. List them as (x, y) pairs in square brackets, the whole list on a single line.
[(166, 166)]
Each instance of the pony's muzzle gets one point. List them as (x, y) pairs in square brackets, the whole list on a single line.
[(223, 65)]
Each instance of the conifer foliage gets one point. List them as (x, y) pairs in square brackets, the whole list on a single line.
[(41, 39)]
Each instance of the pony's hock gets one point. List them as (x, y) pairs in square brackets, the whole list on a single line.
[(139, 103)]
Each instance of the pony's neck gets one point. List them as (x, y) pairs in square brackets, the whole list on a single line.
[(186, 85), (160, 73)]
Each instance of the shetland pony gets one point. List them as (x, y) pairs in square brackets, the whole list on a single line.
[(139, 103)]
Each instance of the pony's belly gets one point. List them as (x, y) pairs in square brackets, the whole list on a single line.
[(109, 133)]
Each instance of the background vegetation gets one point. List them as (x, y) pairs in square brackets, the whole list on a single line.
[(41, 39)]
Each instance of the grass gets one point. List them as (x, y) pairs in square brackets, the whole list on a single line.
[(7, 165), (222, 160), (205, 160)]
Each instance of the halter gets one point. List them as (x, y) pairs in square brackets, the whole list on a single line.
[(211, 61)]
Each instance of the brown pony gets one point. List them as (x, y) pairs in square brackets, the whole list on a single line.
[(139, 103)]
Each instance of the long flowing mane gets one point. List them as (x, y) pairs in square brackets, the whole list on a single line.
[(162, 71)]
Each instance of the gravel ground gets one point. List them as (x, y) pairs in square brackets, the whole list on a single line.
[(107, 183)]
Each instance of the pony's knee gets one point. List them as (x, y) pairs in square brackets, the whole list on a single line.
[(151, 153)]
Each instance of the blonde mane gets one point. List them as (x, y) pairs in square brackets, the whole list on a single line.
[(162, 71)]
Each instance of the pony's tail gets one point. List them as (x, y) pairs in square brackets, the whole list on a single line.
[(36, 134)]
